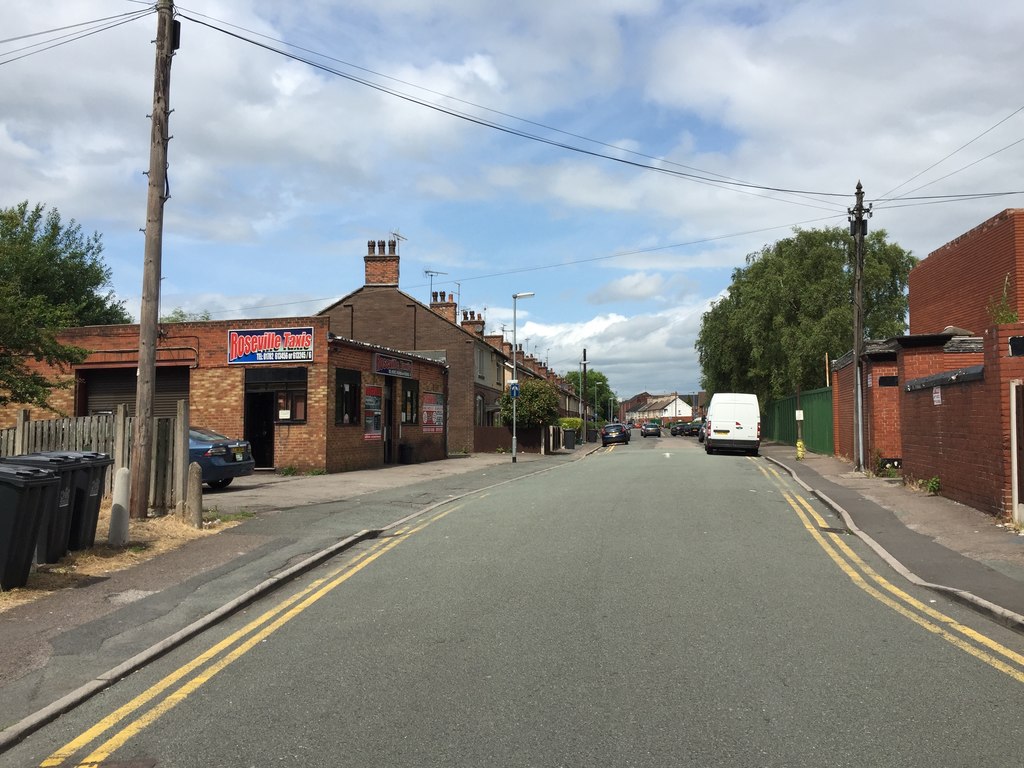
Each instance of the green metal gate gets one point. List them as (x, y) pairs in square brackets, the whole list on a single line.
[(780, 420)]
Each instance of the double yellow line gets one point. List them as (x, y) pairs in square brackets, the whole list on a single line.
[(182, 682), (864, 576)]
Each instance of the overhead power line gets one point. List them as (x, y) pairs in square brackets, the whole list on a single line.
[(722, 182), (90, 28)]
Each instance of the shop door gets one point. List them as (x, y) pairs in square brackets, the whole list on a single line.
[(389, 420), (259, 427)]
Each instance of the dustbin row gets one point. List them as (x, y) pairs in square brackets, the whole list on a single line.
[(49, 504)]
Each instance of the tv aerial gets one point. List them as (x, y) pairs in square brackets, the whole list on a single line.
[(430, 273)]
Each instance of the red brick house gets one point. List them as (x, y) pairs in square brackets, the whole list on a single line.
[(479, 365)]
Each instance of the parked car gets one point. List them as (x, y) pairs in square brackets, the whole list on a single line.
[(700, 432), (220, 458), (692, 428), (676, 429), (614, 433), (650, 430)]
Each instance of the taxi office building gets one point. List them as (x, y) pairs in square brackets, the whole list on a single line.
[(305, 398)]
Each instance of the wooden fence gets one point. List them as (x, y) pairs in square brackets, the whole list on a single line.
[(112, 434)]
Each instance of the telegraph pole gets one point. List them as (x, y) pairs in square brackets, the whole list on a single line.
[(142, 437), (858, 229)]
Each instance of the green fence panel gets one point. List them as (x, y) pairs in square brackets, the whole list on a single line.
[(780, 420)]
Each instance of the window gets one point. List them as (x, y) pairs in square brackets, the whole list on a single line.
[(410, 401), (482, 358), (291, 406), (478, 411), (288, 391), (346, 397), (888, 381)]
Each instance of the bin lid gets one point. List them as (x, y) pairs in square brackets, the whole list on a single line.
[(81, 457), (47, 460), (22, 475)]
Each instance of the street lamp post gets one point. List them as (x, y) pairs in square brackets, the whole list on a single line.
[(515, 378)]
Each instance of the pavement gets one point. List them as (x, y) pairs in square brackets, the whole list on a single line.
[(64, 648)]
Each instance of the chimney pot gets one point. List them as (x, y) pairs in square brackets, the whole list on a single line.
[(392, 245), (380, 247), (434, 296), (369, 246)]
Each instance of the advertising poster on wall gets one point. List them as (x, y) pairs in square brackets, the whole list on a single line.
[(372, 399), (433, 412)]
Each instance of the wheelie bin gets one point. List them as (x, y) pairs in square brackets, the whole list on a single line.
[(24, 493), (55, 522), (87, 492)]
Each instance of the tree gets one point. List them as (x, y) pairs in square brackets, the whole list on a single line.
[(598, 390), (46, 258), (50, 278), (792, 304), (537, 404), (179, 315)]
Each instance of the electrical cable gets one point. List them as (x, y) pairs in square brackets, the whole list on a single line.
[(722, 183), (68, 38)]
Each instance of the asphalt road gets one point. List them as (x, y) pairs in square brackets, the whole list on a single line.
[(651, 606)]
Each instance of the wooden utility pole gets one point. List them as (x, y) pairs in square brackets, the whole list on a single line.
[(858, 229), (142, 437)]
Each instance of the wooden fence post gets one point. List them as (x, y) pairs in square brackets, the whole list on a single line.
[(21, 432)]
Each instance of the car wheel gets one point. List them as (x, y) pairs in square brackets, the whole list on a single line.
[(219, 484)]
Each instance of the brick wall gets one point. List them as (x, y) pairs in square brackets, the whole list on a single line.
[(940, 294), (882, 438), (842, 411), (346, 447)]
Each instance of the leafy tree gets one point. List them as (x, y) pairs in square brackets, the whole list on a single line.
[(537, 405), (598, 389), (28, 329), (50, 278), (45, 257), (792, 304), (179, 315)]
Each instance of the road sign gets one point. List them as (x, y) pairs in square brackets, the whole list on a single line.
[(513, 389)]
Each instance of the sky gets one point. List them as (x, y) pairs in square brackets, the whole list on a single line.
[(617, 158)]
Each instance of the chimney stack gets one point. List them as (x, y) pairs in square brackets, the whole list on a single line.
[(381, 267), (445, 307)]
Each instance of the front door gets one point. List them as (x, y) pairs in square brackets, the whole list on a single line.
[(389, 420), (259, 427)]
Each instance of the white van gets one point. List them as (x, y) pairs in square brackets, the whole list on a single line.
[(733, 423)]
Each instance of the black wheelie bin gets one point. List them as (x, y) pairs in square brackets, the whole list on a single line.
[(25, 493), (55, 524), (87, 492)]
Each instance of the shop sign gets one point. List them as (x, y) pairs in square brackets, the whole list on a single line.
[(270, 345), (386, 365), (433, 412)]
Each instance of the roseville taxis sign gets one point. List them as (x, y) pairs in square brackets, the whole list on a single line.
[(270, 345)]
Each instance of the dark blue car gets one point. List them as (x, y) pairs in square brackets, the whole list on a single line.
[(221, 458)]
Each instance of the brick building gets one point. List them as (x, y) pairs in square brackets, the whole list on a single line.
[(947, 400), (302, 396), (479, 365), (957, 283)]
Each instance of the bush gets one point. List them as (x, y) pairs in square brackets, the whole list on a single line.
[(571, 422)]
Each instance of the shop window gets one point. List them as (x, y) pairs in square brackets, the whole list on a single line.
[(291, 406), (410, 402), (346, 397), (286, 387)]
